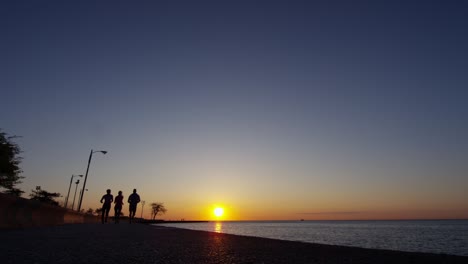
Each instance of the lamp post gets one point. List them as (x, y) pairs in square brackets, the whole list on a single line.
[(74, 196), (142, 207), (81, 192), (86, 176), (68, 195)]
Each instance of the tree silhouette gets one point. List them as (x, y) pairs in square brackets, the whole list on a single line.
[(44, 196), (157, 208), (9, 165)]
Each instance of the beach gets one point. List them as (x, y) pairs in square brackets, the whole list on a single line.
[(140, 243)]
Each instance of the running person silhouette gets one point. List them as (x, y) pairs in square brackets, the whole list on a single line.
[(118, 206), (133, 200), (107, 198)]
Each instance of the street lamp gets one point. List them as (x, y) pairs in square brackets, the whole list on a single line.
[(86, 176), (68, 195), (81, 192), (74, 196)]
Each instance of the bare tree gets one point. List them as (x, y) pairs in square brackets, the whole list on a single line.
[(157, 208)]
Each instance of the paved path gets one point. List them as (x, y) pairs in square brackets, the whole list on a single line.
[(138, 243)]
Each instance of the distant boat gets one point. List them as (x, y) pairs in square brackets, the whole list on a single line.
[(302, 219)]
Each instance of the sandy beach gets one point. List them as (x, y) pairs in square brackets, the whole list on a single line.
[(139, 243)]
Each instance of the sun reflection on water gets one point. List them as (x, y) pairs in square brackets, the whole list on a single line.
[(218, 227)]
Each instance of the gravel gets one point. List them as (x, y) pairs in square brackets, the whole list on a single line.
[(139, 243)]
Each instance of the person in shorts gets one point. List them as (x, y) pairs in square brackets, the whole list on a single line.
[(118, 207), (106, 201), (133, 200)]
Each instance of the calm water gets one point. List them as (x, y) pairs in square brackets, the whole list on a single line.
[(441, 236)]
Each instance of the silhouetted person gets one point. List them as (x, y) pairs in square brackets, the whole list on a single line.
[(133, 200), (118, 206), (107, 198)]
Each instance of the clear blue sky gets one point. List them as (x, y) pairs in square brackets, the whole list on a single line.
[(336, 107)]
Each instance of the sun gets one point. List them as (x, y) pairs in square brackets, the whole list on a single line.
[(218, 211)]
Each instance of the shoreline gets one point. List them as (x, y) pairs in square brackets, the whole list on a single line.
[(299, 220), (368, 235), (140, 243)]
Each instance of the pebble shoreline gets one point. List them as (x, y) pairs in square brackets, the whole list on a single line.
[(139, 243)]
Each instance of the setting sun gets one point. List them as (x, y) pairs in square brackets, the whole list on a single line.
[(218, 211)]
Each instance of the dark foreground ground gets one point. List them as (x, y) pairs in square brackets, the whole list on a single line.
[(138, 243)]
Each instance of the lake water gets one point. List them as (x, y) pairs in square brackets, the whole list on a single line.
[(438, 236)]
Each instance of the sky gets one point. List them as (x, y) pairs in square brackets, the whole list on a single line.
[(273, 110)]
